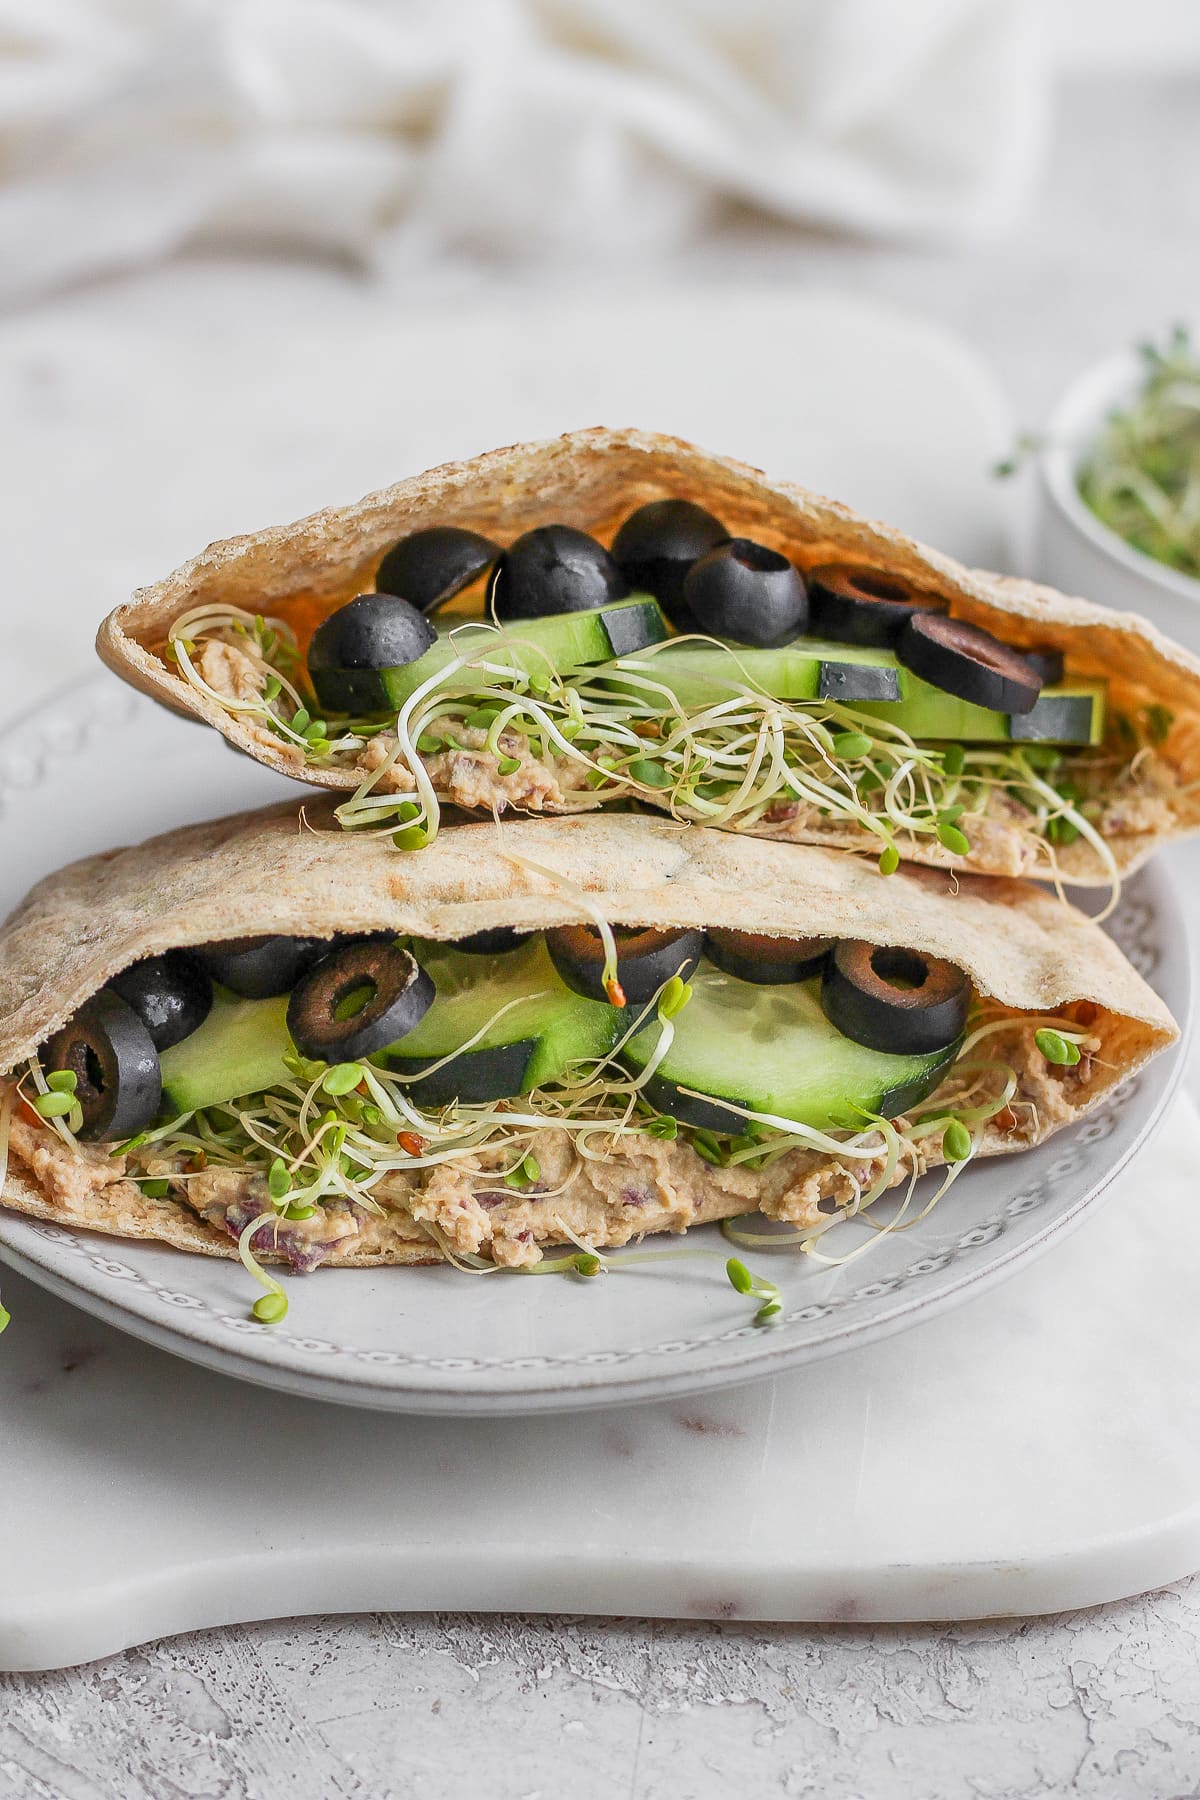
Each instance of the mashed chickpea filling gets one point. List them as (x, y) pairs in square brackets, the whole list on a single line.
[(342, 1159)]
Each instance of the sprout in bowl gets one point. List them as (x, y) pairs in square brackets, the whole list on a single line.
[(1119, 514), (1142, 475)]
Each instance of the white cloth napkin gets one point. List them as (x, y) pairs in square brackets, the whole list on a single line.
[(393, 131)]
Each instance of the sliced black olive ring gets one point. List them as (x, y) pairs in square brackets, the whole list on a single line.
[(645, 959), (657, 545), (1050, 664), (496, 942), (554, 569), (767, 961), (348, 649), (742, 590), (363, 996), (969, 662), (118, 1083), (899, 1001), (429, 567), (851, 605), (171, 994), (255, 968)]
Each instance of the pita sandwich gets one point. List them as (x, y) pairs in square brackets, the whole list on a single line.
[(1063, 742), (253, 1034)]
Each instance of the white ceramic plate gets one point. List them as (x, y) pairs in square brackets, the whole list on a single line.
[(101, 764)]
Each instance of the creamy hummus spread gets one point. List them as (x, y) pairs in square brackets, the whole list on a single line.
[(606, 1191)]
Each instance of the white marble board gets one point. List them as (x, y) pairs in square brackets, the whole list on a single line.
[(1036, 1451)]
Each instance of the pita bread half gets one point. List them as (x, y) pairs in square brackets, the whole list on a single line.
[(270, 871), (593, 479)]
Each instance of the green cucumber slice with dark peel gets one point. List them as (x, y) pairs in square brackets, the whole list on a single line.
[(532, 1044), (772, 1050), (1063, 717), (240, 1047), (808, 669), (556, 644), (1071, 714), (476, 1078), (704, 674), (238, 1050), (853, 682)]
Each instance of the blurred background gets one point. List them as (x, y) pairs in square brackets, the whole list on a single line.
[(257, 256)]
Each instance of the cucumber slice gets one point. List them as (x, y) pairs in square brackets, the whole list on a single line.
[(872, 681), (559, 643), (241, 1045), (238, 1050), (806, 669), (1070, 714), (772, 1050), (546, 1028)]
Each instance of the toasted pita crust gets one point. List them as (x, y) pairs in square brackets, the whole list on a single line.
[(593, 479), (286, 870)]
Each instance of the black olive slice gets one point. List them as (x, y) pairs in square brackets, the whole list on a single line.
[(742, 590), (901, 1001), (554, 569), (851, 605), (348, 649), (429, 567), (363, 996), (118, 1083), (767, 961), (969, 662), (493, 943), (257, 967), (1050, 664), (657, 545), (645, 959), (171, 994)]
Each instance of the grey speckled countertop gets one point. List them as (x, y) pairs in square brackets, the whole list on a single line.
[(1100, 1704)]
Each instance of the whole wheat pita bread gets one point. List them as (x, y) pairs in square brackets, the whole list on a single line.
[(271, 871), (593, 479)]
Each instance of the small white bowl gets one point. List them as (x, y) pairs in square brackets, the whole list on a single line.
[(1075, 551)]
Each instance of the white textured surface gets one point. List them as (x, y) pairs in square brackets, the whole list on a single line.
[(255, 394), (1096, 1704), (1004, 1459), (396, 134), (1089, 1706)]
